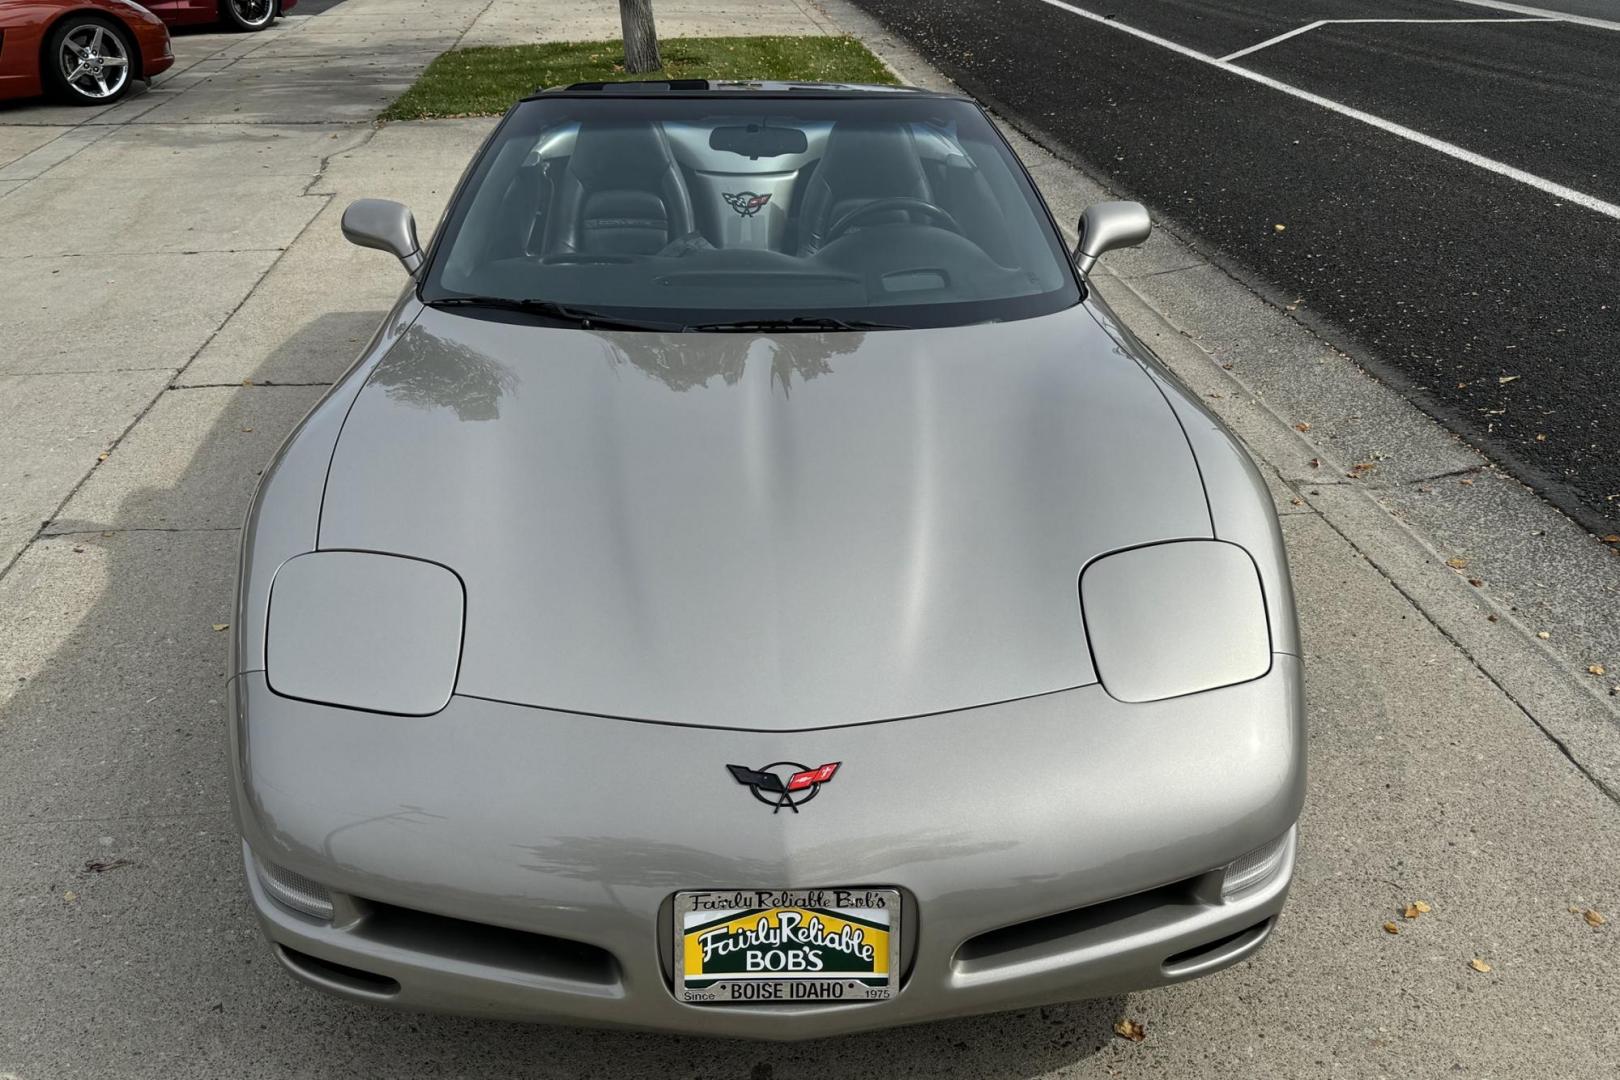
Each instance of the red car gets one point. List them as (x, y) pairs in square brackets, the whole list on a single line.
[(88, 52), (83, 51), (237, 14)]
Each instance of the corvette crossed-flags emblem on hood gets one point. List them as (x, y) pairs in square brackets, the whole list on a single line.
[(770, 788)]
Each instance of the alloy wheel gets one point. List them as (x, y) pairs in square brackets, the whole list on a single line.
[(95, 61), (253, 13)]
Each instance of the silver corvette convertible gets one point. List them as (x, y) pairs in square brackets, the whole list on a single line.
[(751, 585)]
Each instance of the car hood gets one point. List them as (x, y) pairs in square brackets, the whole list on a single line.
[(764, 532)]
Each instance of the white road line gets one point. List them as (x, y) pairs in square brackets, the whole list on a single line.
[(1526, 9), (1266, 44), (1579, 198), (1229, 57)]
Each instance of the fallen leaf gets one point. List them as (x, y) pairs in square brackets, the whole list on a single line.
[(1491, 618), (1479, 965), (1297, 501), (1596, 669), (1302, 426), (1391, 928), (104, 455), (221, 626), (1543, 635), (1466, 481), (247, 429), (247, 382), (1279, 228), (1541, 438), (1612, 538), (1416, 908), (69, 896), (1505, 379), (1593, 917), (1359, 469), (1457, 562), (1130, 1029), (1477, 583)]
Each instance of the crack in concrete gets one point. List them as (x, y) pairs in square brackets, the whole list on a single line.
[(1159, 273), (252, 384), (49, 533), (21, 824), (103, 254), (87, 371), (1471, 470)]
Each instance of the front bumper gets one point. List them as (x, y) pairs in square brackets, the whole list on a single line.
[(157, 51), (519, 863)]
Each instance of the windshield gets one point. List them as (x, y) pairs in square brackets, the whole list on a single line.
[(699, 212)]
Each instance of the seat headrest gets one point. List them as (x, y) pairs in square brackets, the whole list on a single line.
[(627, 155), (872, 161)]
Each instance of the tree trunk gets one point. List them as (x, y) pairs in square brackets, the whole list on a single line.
[(640, 37)]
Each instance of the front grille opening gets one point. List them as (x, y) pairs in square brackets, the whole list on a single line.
[(492, 946), (1213, 949), (1036, 937), (341, 975)]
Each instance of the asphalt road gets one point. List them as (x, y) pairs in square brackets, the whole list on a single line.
[(1488, 300)]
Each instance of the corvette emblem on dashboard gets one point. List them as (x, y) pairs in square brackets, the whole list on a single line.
[(745, 203), (770, 787)]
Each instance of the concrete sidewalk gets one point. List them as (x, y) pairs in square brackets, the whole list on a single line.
[(182, 318)]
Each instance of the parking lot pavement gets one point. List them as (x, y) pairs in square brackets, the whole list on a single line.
[(1453, 759)]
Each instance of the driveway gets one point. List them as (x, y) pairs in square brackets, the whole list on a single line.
[(176, 294)]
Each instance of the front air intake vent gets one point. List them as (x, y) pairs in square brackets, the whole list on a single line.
[(1071, 929), (495, 946)]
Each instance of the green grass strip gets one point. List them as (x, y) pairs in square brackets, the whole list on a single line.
[(486, 81)]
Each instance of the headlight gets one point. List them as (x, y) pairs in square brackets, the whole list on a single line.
[(1175, 618), (366, 631)]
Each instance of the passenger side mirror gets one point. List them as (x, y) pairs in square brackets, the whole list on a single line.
[(1109, 225), (386, 226)]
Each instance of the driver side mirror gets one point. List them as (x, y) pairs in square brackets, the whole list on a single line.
[(1109, 225), (386, 226)]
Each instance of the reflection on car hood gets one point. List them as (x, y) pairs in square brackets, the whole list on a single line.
[(770, 532)]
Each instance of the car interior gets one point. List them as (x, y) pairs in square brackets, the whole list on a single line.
[(753, 211)]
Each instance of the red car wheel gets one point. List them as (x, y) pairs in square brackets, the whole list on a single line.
[(247, 14), (88, 60)]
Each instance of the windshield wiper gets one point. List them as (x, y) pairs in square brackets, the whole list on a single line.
[(584, 318), (798, 322)]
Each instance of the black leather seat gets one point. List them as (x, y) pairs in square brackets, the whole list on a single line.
[(862, 163), (621, 194)]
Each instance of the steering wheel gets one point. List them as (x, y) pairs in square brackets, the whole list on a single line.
[(883, 206)]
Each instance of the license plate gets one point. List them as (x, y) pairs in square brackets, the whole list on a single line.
[(794, 946)]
